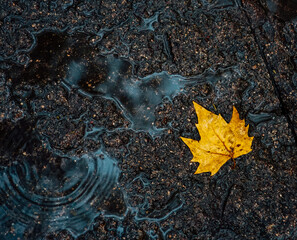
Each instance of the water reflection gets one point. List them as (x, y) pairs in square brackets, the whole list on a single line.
[(78, 66), (65, 193), (137, 97)]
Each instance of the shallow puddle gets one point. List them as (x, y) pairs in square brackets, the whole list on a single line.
[(77, 65), (137, 97), (65, 193)]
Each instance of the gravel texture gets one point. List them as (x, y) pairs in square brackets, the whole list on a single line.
[(241, 53)]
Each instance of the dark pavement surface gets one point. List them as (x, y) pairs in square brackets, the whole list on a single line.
[(108, 86)]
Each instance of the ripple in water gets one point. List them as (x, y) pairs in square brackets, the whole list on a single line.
[(66, 193)]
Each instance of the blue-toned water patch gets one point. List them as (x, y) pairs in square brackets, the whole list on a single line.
[(137, 97), (64, 193)]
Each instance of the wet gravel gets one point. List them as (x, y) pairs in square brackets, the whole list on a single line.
[(240, 53)]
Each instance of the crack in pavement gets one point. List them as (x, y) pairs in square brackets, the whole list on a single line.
[(277, 91)]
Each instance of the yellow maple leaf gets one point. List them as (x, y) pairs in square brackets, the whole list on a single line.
[(220, 141)]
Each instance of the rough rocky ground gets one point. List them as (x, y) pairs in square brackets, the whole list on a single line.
[(250, 45)]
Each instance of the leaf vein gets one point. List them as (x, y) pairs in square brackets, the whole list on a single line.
[(231, 152)]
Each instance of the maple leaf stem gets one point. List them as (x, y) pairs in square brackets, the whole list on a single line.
[(234, 163)]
